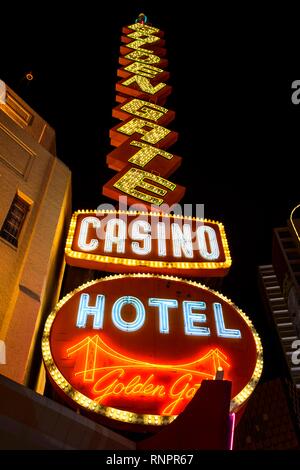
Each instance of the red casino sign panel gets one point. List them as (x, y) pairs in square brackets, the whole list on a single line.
[(135, 348), (124, 241)]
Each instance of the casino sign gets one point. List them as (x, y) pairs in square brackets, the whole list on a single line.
[(135, 348), (124, 241)]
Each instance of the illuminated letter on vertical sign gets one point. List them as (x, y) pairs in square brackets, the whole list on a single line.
[(142, 57)]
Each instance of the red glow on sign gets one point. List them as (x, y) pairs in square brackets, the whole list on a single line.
[(144, 359), (168, 386)]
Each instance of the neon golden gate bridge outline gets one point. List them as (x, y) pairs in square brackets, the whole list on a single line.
[(93, 346)]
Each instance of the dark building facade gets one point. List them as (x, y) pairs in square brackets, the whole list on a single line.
[(269, 421), (272, 418)]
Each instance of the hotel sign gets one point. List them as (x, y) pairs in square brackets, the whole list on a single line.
[(121, 241), (135, 348)]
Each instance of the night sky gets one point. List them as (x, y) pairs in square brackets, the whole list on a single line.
[(238, 129)]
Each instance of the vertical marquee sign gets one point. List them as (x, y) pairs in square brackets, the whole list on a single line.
[(142, 138), (135, 347)]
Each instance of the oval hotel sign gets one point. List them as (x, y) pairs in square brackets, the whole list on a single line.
[(136, 347)]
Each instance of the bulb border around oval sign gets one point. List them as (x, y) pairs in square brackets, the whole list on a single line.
[(128, 416)]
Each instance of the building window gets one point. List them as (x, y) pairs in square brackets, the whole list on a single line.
[(14, 221), (2, 352)]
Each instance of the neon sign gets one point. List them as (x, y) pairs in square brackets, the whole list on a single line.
[(136, 348), (188, 306), (126, 241), (141, 139), (120, 381)]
